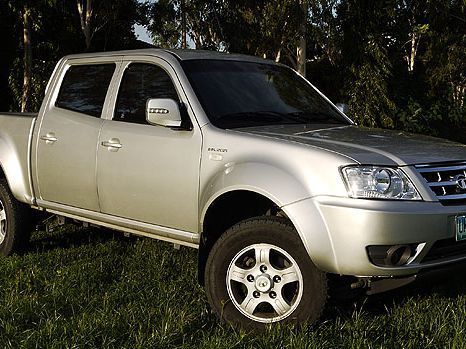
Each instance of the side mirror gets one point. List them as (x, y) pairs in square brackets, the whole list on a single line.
[(163, 112)]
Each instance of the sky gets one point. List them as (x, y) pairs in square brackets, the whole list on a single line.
[(142, 34)]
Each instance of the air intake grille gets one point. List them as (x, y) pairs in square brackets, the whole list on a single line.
[(445, 249), (447, 181)]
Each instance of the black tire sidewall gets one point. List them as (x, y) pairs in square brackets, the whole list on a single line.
[(276, 232)]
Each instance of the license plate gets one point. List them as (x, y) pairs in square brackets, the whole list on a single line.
[(460, 228)]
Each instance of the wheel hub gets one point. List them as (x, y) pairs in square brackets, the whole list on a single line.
[(263, 283)]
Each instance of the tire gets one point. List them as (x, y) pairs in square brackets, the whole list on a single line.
[(14, 222), (283, 287)]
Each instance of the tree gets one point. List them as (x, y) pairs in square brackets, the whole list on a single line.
[(365, 48), (26, 14), (446, 51), (23, 9), (270, 29), (301, 50), (86, 13), (110, 17), (413, 26), (172, 21), (7, 53)]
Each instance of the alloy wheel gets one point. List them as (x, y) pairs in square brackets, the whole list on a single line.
[(264, 283)]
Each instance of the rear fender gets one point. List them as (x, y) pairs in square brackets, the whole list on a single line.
[(15, 157)]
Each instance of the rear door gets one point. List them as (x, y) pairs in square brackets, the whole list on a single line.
[(68, 136), (151, 174)]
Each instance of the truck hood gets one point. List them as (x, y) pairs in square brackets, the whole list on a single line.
[(368, 145)]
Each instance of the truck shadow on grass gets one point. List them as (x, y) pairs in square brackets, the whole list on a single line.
[(443, 283), (69, 236)]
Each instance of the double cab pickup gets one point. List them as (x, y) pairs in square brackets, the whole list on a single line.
[(243, 159)]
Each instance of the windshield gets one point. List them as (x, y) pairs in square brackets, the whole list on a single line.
[(244, 94)]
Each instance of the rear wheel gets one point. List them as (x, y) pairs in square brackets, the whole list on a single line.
[(259, 273), (14, 222)]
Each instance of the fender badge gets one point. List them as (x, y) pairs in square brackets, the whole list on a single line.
[(217, 150)]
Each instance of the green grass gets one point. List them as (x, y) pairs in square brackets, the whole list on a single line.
[(81, 288)]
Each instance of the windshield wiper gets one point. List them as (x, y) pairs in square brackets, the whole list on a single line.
[(249, 119), (252, 116), (310, 117), (263, 118)]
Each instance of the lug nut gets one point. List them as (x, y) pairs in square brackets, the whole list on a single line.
[(250, 278), (273, 295), (277, 278), (256, 294), (263, 268)]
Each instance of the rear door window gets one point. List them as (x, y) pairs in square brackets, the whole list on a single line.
[(84, 88)]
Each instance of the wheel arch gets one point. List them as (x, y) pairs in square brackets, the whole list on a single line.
[(267, 188), (219, 216), (225, 210)]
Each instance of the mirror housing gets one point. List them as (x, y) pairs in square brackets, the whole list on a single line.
[(163, 112)]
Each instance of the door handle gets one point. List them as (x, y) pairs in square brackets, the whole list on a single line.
[(112, 144), (49, 138)]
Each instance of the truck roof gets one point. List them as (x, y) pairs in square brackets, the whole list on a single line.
[(182, 55)]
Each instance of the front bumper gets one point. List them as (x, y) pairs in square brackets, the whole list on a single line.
[(337, 231)]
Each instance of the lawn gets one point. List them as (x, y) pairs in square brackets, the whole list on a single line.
[(87, 288)]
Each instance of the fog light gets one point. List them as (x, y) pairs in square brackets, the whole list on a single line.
[(391, 255), (398, 255)]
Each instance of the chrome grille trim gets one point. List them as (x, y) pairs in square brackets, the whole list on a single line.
[(441, 169), (440, 184), (441, 180), (452, 197)]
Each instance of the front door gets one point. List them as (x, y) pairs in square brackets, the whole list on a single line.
[(148, 173)]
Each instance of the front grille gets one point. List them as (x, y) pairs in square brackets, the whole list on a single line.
[(444, 249), (447, 181)]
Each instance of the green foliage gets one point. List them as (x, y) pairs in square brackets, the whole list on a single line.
[(263, 28), (436, 118), (414, 118), (369, 102), (165, 26)]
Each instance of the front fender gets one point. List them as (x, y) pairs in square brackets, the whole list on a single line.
[(287, 193), (274, 183)]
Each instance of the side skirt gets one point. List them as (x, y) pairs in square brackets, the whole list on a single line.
[(174, 236)]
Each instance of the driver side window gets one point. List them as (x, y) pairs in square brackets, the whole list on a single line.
[(140, 82)]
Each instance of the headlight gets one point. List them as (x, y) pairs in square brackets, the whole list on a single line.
[(373, 182)]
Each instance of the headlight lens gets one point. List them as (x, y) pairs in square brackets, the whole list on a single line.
[(373, 182)]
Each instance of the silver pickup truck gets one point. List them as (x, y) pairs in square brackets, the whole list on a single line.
[(243, 159)]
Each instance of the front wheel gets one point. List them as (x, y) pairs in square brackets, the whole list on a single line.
[(259, 272)]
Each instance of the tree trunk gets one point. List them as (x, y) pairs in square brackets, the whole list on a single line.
[(301, 49), (183, 25), (27, 59), (85, 16), (278, 56), (411, 57)]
